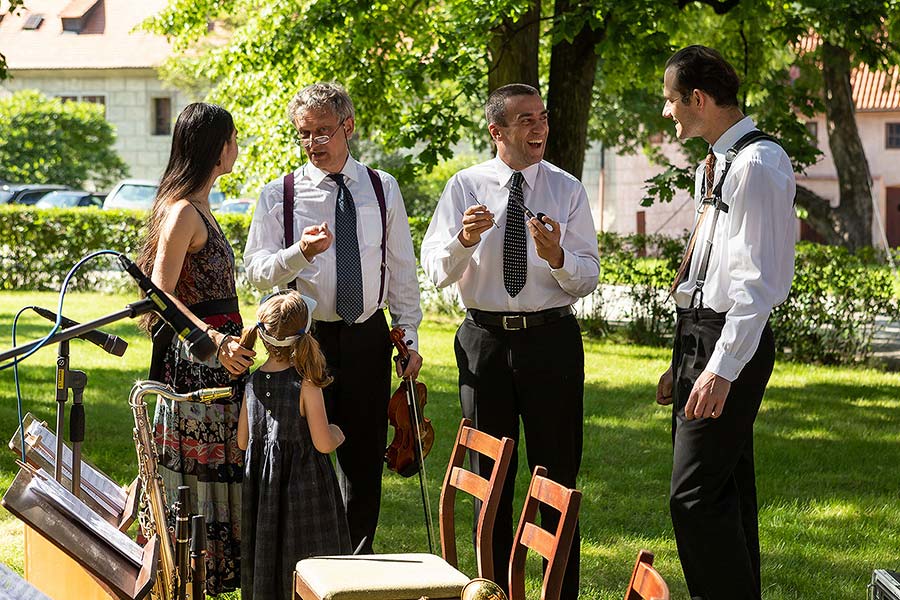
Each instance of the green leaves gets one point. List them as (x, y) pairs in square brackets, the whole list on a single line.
[(44, 140)]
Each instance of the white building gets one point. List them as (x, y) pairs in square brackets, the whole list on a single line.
[(88, 50)]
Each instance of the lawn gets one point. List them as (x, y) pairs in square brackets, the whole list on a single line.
[(826, 446)]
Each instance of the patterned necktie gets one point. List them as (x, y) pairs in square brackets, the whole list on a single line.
[(349, 272), (515, 270), (709, 171)]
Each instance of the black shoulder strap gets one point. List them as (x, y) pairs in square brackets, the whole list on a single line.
[(382, 207), (288, 207), (719, 205)]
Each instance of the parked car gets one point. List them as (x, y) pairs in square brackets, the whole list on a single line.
[(132, 193), (239, 206), (140, 194), (26, 193), (70, 199)]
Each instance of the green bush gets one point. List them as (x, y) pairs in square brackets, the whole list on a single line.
[(44, 140), (39, 246), (829, 316), (644, 265)]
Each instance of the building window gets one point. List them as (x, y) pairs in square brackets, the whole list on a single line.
[(93, 99), (892, 135), (65, 99), (33, 22), (162, 116), (813, 128), (656, 138)]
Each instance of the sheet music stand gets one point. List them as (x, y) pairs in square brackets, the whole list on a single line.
[(116, 504), (125, 569)]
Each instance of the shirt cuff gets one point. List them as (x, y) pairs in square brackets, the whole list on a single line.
[(724, 365), (456, 247), (567, 270), (412, 336), (293, 258)]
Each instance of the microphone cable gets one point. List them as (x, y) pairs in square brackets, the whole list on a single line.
[(14, 363)]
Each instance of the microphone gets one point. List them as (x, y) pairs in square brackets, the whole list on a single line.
[(198, 342), (111, 343)]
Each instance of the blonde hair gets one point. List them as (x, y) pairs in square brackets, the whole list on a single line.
[(284, 315)]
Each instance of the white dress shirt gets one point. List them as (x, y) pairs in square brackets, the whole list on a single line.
[(752, 260), (269, 264), (478, 270)]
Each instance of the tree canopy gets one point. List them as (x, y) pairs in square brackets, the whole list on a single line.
[(44, 140), (420, 71)]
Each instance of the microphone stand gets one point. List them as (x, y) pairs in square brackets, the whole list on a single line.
[(75, 380)]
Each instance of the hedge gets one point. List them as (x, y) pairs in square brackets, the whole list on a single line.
[(829, 317)]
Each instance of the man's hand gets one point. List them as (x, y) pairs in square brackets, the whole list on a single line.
[(708, 397), (476, 220), (315, 239), (664, 388), (547, 242), (412, 367)]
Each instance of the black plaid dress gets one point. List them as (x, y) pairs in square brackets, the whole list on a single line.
[(292, 507)]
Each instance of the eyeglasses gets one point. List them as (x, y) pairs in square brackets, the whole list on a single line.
[(319, 139)]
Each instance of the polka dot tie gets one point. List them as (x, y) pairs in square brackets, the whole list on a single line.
[(349, 272), (515, 268)]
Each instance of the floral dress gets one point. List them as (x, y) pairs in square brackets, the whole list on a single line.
[(197, 443)]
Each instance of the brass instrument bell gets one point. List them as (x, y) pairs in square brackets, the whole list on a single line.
[(482, 589)]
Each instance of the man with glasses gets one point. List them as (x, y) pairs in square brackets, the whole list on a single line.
[(519, 349), (338, 231)]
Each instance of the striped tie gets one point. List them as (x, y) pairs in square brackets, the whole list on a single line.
[(710, 179)]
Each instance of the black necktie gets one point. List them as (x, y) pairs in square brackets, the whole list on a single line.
[(349, 301), (515, 268)]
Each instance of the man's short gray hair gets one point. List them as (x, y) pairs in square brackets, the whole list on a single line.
[(321, 96)]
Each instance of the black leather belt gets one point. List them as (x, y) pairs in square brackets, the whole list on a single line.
[(516, 321)]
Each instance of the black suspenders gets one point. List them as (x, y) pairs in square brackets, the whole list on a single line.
[(719, 206)]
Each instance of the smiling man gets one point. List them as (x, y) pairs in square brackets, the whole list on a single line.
[(738, 265), (519, 349), (338, 231)]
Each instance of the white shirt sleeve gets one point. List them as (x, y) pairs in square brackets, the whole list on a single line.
[(760, 262), (444, 258), (402, 293), (580, 271), (266, 261)]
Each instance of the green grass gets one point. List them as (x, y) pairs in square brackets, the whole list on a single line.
[(826, 439)]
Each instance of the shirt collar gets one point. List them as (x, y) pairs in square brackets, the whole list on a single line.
[(505, 173), (732, 135), (317, 175)]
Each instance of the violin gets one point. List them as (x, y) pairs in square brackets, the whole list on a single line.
[(413, 433)]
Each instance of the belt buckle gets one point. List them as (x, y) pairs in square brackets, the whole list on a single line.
[(514, 322)]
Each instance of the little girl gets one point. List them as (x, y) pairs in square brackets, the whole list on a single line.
[(292, 506)]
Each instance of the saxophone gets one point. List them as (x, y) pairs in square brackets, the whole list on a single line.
[(173, 576)]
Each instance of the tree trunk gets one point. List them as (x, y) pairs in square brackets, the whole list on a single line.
[(820, 215), (513, 51), (854, 213), (573, 66)]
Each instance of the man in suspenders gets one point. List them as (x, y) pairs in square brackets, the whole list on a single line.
[(738, 265), (338, 231)]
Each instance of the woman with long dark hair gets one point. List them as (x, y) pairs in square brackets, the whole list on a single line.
[(189, 258)]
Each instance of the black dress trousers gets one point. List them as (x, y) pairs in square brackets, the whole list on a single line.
[(713, 491), (359, 358), (536, 374)]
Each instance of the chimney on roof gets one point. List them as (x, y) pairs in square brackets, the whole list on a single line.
[(77, 13)]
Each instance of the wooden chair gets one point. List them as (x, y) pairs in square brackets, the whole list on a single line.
[(646, 582), (411, 576), (554, 547), (488, 491)]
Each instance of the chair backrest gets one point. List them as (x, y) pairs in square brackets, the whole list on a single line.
[(646, 582), (486, 490), (553, 546)]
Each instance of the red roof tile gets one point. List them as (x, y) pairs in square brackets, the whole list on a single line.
[(106, 42)]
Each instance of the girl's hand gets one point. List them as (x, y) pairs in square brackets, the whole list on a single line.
[(337, 434), (234, 357)]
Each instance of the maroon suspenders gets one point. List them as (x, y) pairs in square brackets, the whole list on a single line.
[(288, 206)]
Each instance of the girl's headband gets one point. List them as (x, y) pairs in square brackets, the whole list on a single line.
[(289, 340)]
